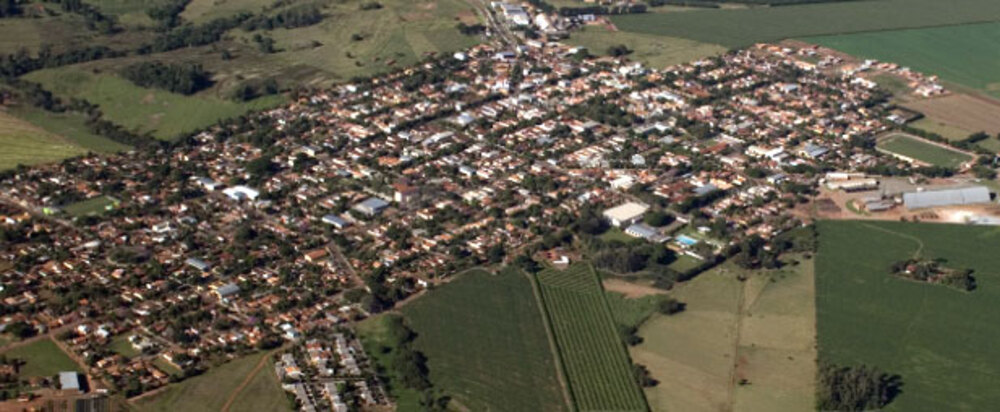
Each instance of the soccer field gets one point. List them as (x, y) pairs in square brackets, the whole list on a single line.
[(942, 342), (920, 150)]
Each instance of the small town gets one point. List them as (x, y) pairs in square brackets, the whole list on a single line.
[(277, 231)]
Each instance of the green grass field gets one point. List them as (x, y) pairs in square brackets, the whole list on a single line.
[(761, 330), (944, 130), (486, 343), (27, 144), (632, 311), (933, 51), (42, 358), (263, 393), (71, 126), (922, 151), (741, 27), (166, 115), (655, 51), (594, 356), (122, 346), (93, 206), (942, 342), (207, 392)]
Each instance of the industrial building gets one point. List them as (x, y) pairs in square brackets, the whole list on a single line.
[(625, 214), (946, 197)]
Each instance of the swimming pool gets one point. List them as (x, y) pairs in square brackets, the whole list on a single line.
[(686, 240)]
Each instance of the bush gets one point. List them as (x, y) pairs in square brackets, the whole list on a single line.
[(186, 78)]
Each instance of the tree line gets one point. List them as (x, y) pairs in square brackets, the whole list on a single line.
[(92, 15), (301, 16), (184, 78)]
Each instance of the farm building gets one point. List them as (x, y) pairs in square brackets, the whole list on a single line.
[(946, 197), (626, 213)]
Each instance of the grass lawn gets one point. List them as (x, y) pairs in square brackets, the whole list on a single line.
[(42, 358), (685, 263), (655, 51), (925, 152), (72, 126), (615, 234), (27, 144), (939, 340), (166, 115), (632, 311), (373, 335), (207, 392), (933, 51), (946, 131), (592, 353), (486, 343), (263, 393), (742, 27), (93, 206), (761, 330), (122, 346)]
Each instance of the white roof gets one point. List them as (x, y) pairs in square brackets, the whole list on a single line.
[(947, 197), (627, 211)]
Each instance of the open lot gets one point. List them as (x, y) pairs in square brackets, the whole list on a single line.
[(27, 144), (761, 330), (741, 27), (922, 150), (593, 355), (42, 358), (940, 341), (962, 111), (480, 324), (210, 391), (93, 206), (932, 51), (655, 51)]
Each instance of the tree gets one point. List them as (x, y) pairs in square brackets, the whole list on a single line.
[(857, 388), (671, 306), (657, 218), (619, 50)]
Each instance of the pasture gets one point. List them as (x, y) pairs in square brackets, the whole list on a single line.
[(594, 357), (922, 151), (655, 51), (940, 341), (932, 51), (71, 126), (42, 358), (163, 114), (209, 392), (486, 343), (744, 26), (962, 111), (27, 144), (760, 332)]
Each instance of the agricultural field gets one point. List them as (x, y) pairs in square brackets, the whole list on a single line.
[(922, 150), (478, 325), (262, 393), (942, 129), (939, 340), (27, 144), (42, 358), (71, 126), (760, 331), (593, 355), (632, 311), (210, 391), (932, 51), (736, 27), (961, 111), (655, 51), (163, 114)]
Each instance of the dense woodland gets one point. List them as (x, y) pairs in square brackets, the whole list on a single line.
[(860, 388), (186, 78)]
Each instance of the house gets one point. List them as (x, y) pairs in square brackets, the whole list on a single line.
[(371, 207), (626, 213), (644, 231), (198, 264), (405, 194), (227, 290)]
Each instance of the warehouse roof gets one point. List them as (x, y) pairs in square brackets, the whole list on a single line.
[(627, 211), (947, 197)]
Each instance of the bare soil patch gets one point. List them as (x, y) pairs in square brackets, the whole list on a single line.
[(962, 110), (629, 289)]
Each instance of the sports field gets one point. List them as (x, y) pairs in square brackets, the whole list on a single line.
[(655, 51), (922, 151), (27, 144), (741, 27), (593, 355), (486, 343), (933, 51), (166, 115), (209, 392), (42, 358), (941, 342), (760, 332)]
